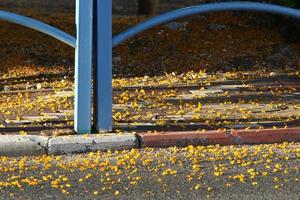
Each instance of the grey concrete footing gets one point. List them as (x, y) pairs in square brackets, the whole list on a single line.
[(83, 144), (17, 145)]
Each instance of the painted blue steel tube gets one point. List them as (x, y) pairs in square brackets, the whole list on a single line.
[(39, 26), (103, 71), (83, 66), (201, 9)]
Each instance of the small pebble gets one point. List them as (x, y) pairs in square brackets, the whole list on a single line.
[(273, 74), (38, 86), (7, 88)]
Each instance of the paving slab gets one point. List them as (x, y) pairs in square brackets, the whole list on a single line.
[(231, 97), (15, 121), (67, 112), (15, 129), (64, 94), (120, 107), (206, 92), (58, 132), (56, 115), (39, 118), (234, 87), (215, 112)]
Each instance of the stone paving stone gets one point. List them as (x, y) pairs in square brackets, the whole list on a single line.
[(206, 92), (289, 95), (58, 132), (64, 94), (31, 119), (231, 97), (159, 87), (233, 87), (58, 114), (68, 112), (290, 84), (134, 125), (14, 121), (265, 84), (120, 107), (226, 82), (26, 91), (21, 127), (272, 123), (178, 117), (252, 125), (224, 109), (137, 124), (170, 126), (40, 118)]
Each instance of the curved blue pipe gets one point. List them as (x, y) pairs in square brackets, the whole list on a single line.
[(39, 26), (201, 9)]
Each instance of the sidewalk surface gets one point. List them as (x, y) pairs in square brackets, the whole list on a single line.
[(202, 104), (200, 112)]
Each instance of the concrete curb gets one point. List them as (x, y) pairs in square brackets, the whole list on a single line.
[(16, 145), (83, 144), (181, 139), (266, 136), (235, 137)]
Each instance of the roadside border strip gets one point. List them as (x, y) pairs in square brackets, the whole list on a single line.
[(16, 145)]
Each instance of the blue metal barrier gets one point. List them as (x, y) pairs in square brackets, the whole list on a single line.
[(83, 66), (39, 26), (94, 45), (103, 71)]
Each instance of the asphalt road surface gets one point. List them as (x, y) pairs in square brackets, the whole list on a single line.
[(249, 172)]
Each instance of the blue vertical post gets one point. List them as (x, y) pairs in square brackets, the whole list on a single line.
[(83, 66), (103, 71)]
